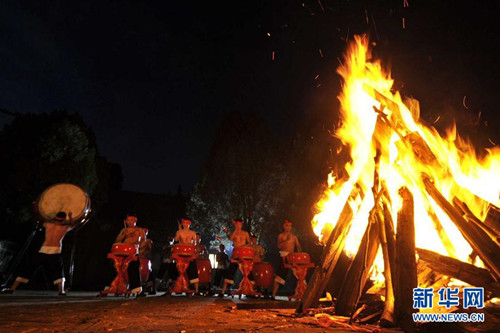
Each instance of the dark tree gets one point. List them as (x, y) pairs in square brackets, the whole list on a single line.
[(239, 179)]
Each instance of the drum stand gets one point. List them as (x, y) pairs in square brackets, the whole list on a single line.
[(119, 284), (246, 286), (182, 282), (301, 272)]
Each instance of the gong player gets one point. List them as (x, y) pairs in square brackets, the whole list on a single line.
[(132, 234), (49, 254)]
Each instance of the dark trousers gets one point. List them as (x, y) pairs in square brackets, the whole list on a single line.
[(134, 274)]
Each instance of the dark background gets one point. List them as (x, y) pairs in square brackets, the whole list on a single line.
[(152, 79), (155, 80)]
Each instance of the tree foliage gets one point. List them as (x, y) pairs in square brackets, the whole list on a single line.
[(239, 179), (40, 150)]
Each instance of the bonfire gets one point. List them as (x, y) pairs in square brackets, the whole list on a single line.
[(415, 209)]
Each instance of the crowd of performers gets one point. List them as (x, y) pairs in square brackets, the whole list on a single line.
[(135, 237)]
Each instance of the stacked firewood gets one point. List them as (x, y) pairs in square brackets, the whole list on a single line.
[(406, 267)]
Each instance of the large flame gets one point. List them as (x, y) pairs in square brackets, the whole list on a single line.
[(452, 163)]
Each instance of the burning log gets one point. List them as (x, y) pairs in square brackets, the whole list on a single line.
[(387, 319), (470, 217), (493, 218), (331, 253), (460, 270), (480, 242), (406, 266), (359, 271)]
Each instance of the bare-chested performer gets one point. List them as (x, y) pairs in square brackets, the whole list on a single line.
[(187, 236), (287, 242), (239, 238), (259, 250), (49, 254), (132, 234)]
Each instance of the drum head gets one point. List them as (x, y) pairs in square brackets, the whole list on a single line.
[(63, 198)]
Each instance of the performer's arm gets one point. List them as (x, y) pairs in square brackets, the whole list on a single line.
[(177, 236), (121, 236)]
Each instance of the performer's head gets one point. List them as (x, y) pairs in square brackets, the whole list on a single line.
[(238, 223), (60, 217), (130, 220), (287, 225), (253, 239), (222, 247), (185, 222), (198, 237)]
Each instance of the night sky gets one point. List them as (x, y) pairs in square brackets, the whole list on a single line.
[(154, 78)]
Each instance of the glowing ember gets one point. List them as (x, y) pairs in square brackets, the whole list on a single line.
[(408, 149)]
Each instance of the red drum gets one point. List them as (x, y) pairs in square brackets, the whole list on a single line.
[(263, 274), (184, 250), (299, 258), (204, 271), (123, 249), (243, 253), (145, 269)]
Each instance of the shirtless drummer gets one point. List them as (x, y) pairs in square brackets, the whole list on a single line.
[(132, 234), (287, 242), (239, 238), (49, 254), (187, 236)]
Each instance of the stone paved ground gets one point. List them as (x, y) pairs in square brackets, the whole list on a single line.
[(83, 312)]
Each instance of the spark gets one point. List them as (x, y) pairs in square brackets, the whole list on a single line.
[(320, 53), (340, 61), (272, 56), (321, 6), (316, 77), (374, 26), (318, 85), (491, 141), (405, 3), (437, 119), (404, 25), (463, 103), (268, 34), (366, 16)]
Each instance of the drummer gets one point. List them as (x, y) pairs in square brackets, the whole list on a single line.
[(187, 236), (49, 254), (259, 250), (287, 242), (132, 234), (201, 250), (239, 238)]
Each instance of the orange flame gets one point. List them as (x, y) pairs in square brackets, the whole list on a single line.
[(450, 161)]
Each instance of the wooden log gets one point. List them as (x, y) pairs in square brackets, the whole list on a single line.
[(493, 218), (406, 266), (331, 253), (358, 273), (460, 270), (470, 217), (387, 318), (480, 242)]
